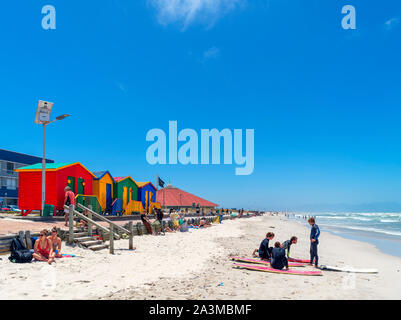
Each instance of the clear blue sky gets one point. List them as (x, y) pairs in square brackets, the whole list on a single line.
[(325, 102)]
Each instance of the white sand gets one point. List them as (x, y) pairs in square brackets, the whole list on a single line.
[(192, 265)]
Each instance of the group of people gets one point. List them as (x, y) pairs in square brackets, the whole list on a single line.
[(47, 248), (279, 254)]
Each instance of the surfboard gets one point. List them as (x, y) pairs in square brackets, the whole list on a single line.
[(259, 261), (267, 269), (299, 260), (347, 269)]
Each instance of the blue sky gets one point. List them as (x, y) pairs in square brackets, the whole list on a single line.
[(325, 102)]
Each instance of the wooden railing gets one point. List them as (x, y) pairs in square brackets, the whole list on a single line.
[(89, 219)]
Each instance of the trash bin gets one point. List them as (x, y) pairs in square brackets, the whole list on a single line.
[(48, 210)]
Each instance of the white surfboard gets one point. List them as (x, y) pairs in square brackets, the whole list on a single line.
[(347, 269)]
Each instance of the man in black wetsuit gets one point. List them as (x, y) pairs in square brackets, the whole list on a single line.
[(314, 238), (278, 261)]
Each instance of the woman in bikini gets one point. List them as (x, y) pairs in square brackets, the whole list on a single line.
[(56, 242), (43, 248)]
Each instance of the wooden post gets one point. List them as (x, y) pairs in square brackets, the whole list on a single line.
[(71, 224), (131, 235), (111, 240), (90, 223)]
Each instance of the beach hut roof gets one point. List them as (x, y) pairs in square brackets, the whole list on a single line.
[(119, 179), (51, 167), (174, 197), (142, 184), (100, 174)]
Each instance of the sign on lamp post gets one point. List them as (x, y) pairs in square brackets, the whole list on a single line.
[(43, 117)]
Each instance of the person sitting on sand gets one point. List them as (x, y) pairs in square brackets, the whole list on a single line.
[(56, 243), (286, 245), (204, 223), (314, 241), (146, 222), (264, 249), (278, 261), (43, 248)]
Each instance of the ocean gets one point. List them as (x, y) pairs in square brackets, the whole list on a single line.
[(379, 228)]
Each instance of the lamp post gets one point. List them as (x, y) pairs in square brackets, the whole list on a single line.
[(44, 124)]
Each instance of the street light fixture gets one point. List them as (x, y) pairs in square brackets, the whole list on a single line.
[(43, 117)]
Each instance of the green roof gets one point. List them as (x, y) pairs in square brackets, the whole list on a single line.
[(48, 166)]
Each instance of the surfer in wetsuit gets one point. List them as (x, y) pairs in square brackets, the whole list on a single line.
[(278, 261), (264, 250), (314, 238), (287, 244)]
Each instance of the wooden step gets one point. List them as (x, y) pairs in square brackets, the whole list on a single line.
[(82, 239), (81, 234), (99, 247), (91, 243)]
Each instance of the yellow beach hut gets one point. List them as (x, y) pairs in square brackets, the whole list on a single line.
[(103, 185)]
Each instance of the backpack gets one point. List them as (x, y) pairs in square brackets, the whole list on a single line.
[(68, 202), (19, 253)]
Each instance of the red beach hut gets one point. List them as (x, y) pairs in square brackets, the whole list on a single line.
[(58, 176)]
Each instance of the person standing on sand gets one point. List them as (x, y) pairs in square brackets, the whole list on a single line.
[(159, 217), (314, 238), (69, 199), (264, 250)]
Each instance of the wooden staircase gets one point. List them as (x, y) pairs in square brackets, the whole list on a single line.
[(83, 239), (86, 239)]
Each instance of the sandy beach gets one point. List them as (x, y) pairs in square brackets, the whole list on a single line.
[(196, 265)]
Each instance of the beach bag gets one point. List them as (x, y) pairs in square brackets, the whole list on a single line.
[(184, 227), (68, 201), (19, 253)]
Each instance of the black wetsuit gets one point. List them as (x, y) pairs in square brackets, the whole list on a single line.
[(278, 261), (314, 234), (264, 250), (159, 217)]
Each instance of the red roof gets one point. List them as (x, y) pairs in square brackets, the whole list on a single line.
[(173, 197)]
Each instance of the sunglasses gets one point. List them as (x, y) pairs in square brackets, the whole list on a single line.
[(42, 234)]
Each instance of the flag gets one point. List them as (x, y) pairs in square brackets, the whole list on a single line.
[(160, 182)]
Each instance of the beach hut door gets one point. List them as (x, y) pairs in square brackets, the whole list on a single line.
[(81, 186), (71, 183), (108, 196)]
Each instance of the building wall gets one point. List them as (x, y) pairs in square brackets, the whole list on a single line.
[(119, 191), (30, 184), (99, 189), (142, 193), (9, 161)]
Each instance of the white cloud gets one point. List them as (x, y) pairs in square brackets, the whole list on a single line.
[(186, 12), (390, 24), (213, 52)]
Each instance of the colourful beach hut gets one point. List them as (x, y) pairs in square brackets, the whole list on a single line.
[(126, 189), (146, 194), (58, 176), (103, 188)]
